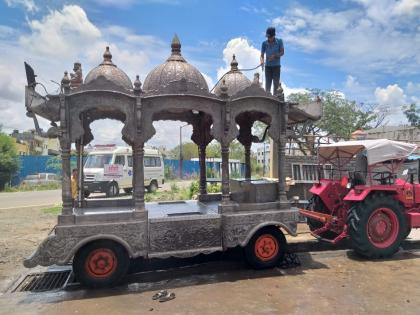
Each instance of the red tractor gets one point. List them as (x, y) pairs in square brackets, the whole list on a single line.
[(368, 204)]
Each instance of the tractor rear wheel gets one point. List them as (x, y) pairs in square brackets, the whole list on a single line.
[(407, 233), (316, 204), (377, 226)]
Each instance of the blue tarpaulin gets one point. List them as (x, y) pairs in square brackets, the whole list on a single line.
[(30, 164)]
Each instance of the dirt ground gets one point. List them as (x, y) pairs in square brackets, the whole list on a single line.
[(21, 230)]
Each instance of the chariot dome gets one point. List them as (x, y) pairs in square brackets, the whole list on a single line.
[(176, 74), (234, 80), (108, 71)]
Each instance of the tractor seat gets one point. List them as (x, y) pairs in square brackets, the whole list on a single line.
[(359, 178)]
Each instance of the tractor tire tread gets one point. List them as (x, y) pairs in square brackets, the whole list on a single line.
[(357, 220)]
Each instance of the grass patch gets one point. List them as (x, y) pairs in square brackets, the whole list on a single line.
[(177, 193), (52, 210)]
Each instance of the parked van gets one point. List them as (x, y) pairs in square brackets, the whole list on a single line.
[(103, 156)]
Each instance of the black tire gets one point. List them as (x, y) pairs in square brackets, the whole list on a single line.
[(152, 187), (277, 246), (316, 204), (128, 190), (407, 232), (109, 255), (113, 190), (361, 229), (86, 193)]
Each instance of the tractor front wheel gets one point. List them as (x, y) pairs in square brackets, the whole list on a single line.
[(377, 226), (316, 204)]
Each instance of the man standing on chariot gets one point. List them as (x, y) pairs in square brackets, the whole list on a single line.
[(273, 49)]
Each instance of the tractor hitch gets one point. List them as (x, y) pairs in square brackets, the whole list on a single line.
[(328, 221), (322, 217)]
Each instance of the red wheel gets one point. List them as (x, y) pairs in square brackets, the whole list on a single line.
[(101, 263), (383, 227), (377, 226), (266, 248)]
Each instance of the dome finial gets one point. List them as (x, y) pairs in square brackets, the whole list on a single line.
[(137, 85), (107, 57), (224, 89), (234, 64), (176, 45)]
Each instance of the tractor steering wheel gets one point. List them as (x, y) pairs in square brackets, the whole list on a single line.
[(383, 177)]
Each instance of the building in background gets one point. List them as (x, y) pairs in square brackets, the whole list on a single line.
[(263, 157), (22, 148), (36, 145), (398, 133)]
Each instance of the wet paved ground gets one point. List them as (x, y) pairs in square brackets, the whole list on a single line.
[(327, 283)]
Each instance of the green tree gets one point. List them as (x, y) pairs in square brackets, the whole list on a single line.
[(412, 112), (214, 150), (340, 118), (189, 151), (9, 163), (236, 150)]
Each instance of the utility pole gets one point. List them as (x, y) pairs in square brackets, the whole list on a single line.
[(180, 150)]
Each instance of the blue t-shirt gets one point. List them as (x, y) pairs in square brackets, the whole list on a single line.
[(270, 49)]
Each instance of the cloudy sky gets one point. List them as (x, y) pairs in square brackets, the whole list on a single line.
[(368, 49)]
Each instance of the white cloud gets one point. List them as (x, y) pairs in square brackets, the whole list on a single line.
[(354, 89), (129, 3), (246, 54), (351, 82), (292, 90), (254, 10), (29, 5), (167, 133), (377, 36), (413, 92), (10, 88), (54, 41), (209, 80), (392, 95), (413, 88), (248, 57), (407, 7), (6, 31), (61, 33)]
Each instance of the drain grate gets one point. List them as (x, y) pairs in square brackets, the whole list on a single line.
[(43, 281)]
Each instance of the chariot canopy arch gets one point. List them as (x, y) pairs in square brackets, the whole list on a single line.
[(174, 90)]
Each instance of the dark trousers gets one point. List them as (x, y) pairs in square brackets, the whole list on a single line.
[(272, 74)]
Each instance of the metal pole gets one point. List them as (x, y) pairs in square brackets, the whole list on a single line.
[(264, 159), (80, 173), (180, 150)]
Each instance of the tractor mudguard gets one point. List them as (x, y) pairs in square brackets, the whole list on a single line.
[(324, 189), (319, 188), (357, 195), (360, 193)]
